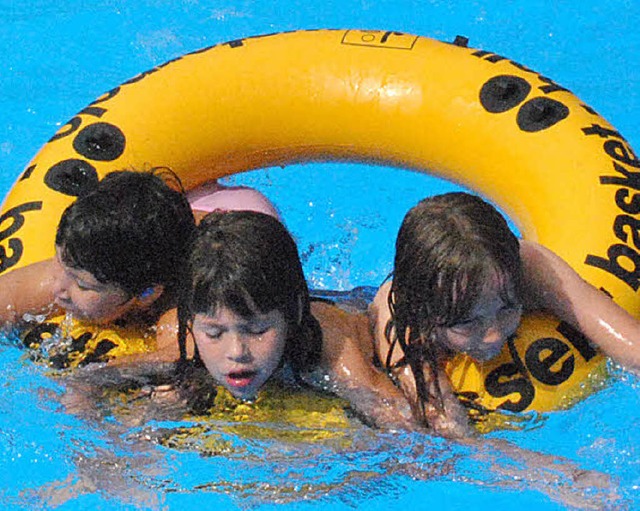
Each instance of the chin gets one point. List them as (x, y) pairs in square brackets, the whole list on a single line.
[(100, 321), (241, 393), (244, 396)]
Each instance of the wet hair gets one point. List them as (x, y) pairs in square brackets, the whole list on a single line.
[(132, 230), (448, 248), (248, 262)]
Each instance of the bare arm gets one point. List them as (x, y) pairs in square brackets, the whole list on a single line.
[(347, 358), (551, 284), (28, 290), (451, 421)]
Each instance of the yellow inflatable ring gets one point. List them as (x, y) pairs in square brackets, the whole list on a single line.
[(562, 172), (315, 417)]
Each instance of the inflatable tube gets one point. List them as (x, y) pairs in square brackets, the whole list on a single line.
[(277, 414), (63, 342), (562, 173)]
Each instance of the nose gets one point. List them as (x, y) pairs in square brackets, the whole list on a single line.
[(500, 327), (61, 287), (238, 349), (493, 333)]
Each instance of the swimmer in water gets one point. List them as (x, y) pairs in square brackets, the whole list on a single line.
[(119, 250), (247, 309), (461, 279)]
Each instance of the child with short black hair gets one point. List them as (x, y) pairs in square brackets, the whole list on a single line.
[(120, 253)]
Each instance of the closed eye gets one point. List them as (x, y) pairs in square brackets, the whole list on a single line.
[(81, 283), (84, 286), (213, 334), (515, 308), (465, 324), (257, 329)]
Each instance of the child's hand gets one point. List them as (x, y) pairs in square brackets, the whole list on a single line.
[(166, 394)]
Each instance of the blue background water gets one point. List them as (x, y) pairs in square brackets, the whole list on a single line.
[(55, 58)]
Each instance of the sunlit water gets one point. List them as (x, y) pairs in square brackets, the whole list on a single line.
[(56, 58)]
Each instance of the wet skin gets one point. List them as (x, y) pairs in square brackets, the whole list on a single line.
[(81, 294), (240, 353), (485, 330)]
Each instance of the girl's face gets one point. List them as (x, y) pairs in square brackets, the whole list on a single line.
[(81, 294), (240, 353), (485, 330)]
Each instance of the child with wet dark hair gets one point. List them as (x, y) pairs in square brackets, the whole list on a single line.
[(245, 266), (247, 309), (460, 280), (120, 251)]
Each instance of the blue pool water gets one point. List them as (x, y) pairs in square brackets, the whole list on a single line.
[(55, 58)]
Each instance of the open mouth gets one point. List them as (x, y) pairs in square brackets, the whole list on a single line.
[(241, 379)]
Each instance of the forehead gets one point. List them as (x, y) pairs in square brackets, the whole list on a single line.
[(495, 293), (225, 315), (219, 315), (76, 272), (499, 282), (467, 286), (87, 277)]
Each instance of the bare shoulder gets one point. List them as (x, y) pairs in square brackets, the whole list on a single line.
[(379, 317), (341, 330), (538, 259), (347, 359), (379, 312), (382, 295)]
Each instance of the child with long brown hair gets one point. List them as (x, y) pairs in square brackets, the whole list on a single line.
[(460, 281)]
